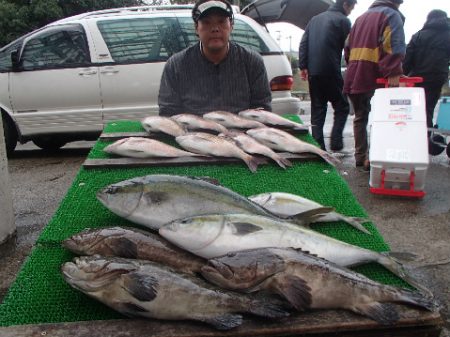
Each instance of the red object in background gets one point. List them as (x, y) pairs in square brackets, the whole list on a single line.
[(409, 81), (397, 192)]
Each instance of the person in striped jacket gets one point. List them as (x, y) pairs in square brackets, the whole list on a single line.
[(375, 49)]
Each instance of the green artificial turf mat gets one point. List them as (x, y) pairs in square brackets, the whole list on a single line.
[(39, 294)]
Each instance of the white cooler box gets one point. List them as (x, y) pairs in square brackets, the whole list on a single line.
[(398, 142)]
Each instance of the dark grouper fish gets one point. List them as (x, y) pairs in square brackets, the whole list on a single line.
[(155, 200), (215, 235), (138, 288), (309, 282), (134, 244)]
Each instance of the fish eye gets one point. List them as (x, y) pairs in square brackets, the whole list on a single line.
[(112, 190)]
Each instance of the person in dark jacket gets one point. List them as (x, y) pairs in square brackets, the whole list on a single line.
[(320, 55), (428, 56), (375, 49)]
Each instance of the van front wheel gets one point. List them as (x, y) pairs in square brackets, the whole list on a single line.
[(10, 132)]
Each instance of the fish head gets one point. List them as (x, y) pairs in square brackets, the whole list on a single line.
[(88, 241), (112, 148), (122, 198), (243, 270), (91, 273), (253, 114), (193, 233)]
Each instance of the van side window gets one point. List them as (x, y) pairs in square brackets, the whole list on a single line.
[(245, 35), (242, 33), (5, 57), (142, 39), (57, 47)]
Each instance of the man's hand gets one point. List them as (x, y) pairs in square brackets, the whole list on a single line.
[(393, 81), (304, 74)]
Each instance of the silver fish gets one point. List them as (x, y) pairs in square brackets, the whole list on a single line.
[(134, 244), (155, 200), (211, 236), (272, 119), (208, 144), (309, 282), (250, 145), (231, 120), (194, 122), (145, 289), (283, 141), (138, 147), (286, 204), (162, 124)]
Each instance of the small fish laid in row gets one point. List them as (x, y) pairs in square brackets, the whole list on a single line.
[(139, 147), (208, 144), (309, 282), (214, 235), (194, 122), (283, 141), (162, 124), (250, 145), (133, 244), (286, 204), (272, 119), (155, 200), (145, 289), (231, 120)]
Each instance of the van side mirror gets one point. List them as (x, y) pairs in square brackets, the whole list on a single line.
[(15, 60)]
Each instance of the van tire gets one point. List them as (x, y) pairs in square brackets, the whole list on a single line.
[(11, 135)]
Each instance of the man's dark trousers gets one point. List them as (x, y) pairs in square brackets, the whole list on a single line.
[(324, 89)]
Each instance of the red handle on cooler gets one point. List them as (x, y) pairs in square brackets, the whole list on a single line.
[(409, 81)]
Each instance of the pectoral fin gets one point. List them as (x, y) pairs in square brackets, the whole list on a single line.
[(295, 290), (125, 248), (383, 313), (141, 286), (223, 322)]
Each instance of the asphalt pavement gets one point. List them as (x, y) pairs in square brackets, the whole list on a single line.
[(40, 180)]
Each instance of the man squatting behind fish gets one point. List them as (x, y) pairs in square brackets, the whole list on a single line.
[(189, 83)]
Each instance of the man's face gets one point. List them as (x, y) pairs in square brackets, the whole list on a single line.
[(214, 31)]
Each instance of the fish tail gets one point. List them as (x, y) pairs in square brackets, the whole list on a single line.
[(330, 159), (396, 267), (418, 299), (265, 308), (253, 162), (383, 313), (223, 322), (283, 162)]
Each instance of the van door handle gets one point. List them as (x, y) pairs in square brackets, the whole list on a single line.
[(109, 71), (87, 72)]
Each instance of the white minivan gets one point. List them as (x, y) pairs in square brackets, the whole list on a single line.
[(63, 82)]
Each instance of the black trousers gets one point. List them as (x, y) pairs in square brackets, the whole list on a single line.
[(432, 94), (324, 89)]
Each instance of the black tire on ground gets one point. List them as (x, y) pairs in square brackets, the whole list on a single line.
[(448, 150), (435, 146), (49, 144), (10, 132)]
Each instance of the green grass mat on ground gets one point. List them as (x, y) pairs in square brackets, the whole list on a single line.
[(39, 294)]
